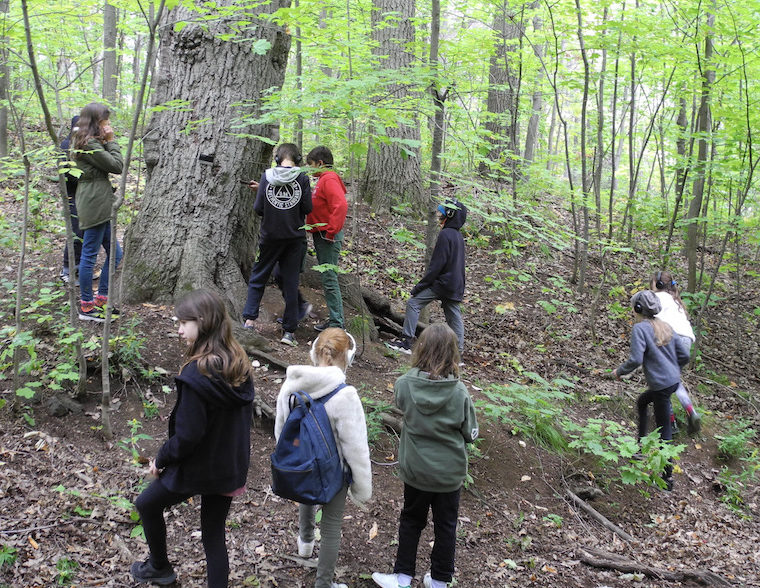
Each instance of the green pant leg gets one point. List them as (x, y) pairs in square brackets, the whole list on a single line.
[(329, 252)]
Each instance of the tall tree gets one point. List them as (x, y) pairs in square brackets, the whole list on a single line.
[(392, 173), (503, 90), (109, 53), (537, 100), (196, 226), (4, 80), (704, 126)]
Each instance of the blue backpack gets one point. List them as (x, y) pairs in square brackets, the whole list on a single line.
[(306, 467)]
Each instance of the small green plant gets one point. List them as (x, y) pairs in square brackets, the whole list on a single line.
[(66, 567), (635, 461), (555, 519), (150, 410), (407, 237), (532, 408), (8, 555), (373, 411), (617, 311), (735, 444), (394, 274), (735, 484), (130, 443)]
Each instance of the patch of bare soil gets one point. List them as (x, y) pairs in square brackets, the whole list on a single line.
[(65, 492)]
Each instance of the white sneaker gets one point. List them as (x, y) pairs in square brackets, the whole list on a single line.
[(305, 549), (336, 585), (387, 580), (427, 581)]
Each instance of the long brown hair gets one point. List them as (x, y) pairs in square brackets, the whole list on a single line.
[(216, 350), (90, 126), (437, 352), (669, 285), (663, 332)]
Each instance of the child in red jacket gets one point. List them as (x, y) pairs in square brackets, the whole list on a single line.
[(327, 218)]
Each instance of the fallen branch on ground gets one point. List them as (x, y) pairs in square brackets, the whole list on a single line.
[(598, 517), (602, 559)]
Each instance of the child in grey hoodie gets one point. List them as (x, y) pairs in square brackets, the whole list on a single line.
[(661, 355), (439, 420)]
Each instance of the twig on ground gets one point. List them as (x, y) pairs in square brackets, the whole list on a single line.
[(598, 517)]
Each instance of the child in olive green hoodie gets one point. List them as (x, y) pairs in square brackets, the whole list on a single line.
[(439, 420)]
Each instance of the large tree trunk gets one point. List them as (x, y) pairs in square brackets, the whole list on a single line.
[(196, 226), (704, 127), (503, 79), (109, 53), (537, 100), (392, 174)]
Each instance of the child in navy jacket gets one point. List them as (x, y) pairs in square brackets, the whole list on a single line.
[(444, 279)]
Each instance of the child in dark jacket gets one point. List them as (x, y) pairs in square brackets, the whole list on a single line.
[(439, 420), (661, 355), (444, 279), (283, 199), (208, 450)]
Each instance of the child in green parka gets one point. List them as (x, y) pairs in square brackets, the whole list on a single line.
[(439, 420)]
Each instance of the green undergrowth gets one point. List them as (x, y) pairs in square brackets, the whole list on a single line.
[(537, 409)]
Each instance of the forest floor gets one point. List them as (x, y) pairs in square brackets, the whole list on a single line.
[(65, 493)]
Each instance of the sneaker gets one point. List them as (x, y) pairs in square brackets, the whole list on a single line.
[(319, 327), (336, 585), (668, 483), (402, 345), (693, 423), (387, 580), (305, 548), (143, 571), (289, 339), (94, 314), (101, 301), (427, 581), (65, 277)]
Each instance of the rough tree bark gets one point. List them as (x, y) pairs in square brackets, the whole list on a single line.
[(196, 226), (537, 100), (109, 53), (391, 177), (704, 126), (501, 103)]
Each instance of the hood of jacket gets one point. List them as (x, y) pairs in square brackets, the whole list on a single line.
[(280, 176), (429, 396), (215, 390), (457, 219), (315, 381)]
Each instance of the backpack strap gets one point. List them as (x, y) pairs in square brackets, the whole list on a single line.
[(327, 397), (300, 397)]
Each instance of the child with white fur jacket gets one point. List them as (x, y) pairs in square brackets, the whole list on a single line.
[(331, 354)]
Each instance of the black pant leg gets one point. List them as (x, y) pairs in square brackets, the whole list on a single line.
[(290, 256), (151, 504), (413, 520), (268, 254), (642, 404), (214, 510), (445, 507)]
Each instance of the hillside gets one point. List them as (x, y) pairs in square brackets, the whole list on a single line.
[(530, 362)]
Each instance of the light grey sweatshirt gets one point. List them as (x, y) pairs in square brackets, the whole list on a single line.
[(661, 365)]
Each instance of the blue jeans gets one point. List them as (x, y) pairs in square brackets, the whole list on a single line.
[(451, 311), (94, 238)]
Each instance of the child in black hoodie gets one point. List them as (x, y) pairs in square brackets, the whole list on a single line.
[(208, 450), (444, 279)]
